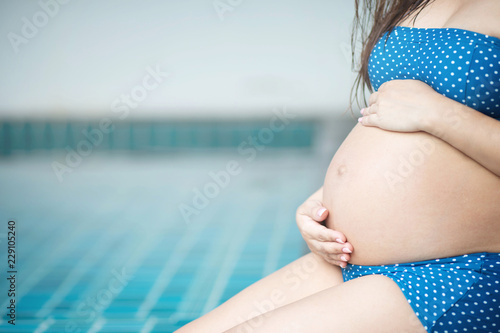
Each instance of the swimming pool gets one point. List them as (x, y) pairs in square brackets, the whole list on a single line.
[(108, 249), (137, 241)]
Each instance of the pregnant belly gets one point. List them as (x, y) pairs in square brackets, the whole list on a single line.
[(402, 197)]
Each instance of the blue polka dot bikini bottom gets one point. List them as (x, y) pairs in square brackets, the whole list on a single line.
[(456, 294)]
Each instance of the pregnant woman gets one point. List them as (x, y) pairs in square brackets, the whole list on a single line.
[(411, 200)]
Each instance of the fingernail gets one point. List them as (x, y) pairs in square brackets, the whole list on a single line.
[(362, 110), (346, 250), (360, 119), (343, 265), (321, 211), (343, 258), (338, 240)]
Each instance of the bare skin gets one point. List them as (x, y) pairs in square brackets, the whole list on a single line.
[(444, 205), (331, 245), (436, 193), (357, 197)]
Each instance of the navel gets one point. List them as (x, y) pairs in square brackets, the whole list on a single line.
[(341, 170)]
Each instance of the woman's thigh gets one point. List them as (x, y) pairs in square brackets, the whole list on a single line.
[(304, 277), (371, 303)]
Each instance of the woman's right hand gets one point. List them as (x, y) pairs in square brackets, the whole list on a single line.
[(326, 243)]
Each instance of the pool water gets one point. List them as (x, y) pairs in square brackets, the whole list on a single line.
[(145, 243)]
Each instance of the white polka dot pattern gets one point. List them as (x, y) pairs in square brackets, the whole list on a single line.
[(449, 295), (460, 64)]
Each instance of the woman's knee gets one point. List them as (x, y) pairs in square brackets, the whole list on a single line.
[(368, 304)]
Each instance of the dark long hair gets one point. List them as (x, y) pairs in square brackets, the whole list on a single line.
[(371, 20)]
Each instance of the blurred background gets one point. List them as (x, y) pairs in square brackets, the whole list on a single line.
[(153, 152)]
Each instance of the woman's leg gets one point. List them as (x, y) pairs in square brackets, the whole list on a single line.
[(372, 303), (303, 277)]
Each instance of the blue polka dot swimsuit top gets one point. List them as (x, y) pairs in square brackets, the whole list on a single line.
[(460, 64)]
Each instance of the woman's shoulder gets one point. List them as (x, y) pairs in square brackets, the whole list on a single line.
[(478, 16)]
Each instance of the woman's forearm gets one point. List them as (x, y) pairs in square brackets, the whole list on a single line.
[(471, 132)]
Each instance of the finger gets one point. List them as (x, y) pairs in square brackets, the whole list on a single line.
[(341, 257), (319, 213), (370, 110), (369, 120), (335, 250), (336, 262), (316, 210), (347, 248), (330, 250), (373, 98), (321, 233), (318, 232)]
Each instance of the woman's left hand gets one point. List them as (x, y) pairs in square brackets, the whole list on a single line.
[(401, 106)]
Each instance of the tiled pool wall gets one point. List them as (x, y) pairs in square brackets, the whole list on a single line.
[(151, 135)]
